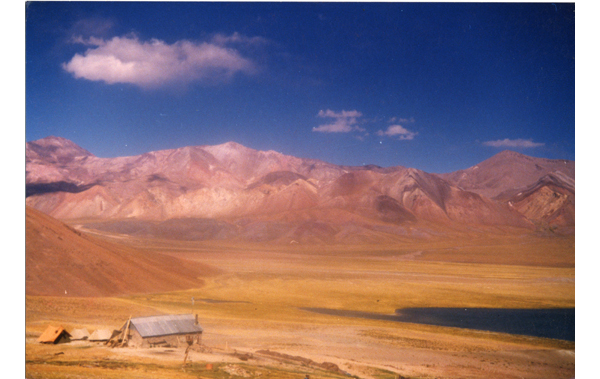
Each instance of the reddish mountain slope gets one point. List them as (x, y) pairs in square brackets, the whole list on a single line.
[(507, 171), (61, 261), (549, 202), (542, 190)]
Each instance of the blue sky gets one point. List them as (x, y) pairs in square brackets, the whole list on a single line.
[(435, 86)]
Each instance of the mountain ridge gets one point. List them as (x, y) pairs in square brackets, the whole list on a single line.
[(231, 182), (507, 170)]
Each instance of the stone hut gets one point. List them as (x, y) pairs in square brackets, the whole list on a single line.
[(166, 330), (79, 334), (100, 335)]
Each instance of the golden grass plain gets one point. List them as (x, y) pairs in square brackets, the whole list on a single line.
[(254, 303)]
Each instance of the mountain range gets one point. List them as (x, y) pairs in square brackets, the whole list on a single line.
[(233, 192)]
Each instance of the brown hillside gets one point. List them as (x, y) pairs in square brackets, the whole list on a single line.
[(61, 261), (548, 202), (508, 171)]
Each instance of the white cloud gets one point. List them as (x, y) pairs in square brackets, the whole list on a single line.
[(94, 26), (402, 120), (156, 63), (343, 114), (397, 131), (237, 38), (518, 143), (92, 41), (344, 122)]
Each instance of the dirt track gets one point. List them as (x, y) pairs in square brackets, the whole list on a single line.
[(364, 352)]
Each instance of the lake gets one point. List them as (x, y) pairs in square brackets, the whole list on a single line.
[(557, 323)]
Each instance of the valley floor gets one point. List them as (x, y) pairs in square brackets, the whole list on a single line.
[(252, 320)]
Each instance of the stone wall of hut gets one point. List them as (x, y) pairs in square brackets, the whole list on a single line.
[(177, 340)]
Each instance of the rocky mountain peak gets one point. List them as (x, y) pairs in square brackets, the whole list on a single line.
[(54, 150)]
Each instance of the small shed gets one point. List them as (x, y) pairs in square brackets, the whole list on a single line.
[(54, 335), (100, 335), (79, 334), (166, 330)]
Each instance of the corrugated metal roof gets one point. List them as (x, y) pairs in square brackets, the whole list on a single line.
[(155, 326)]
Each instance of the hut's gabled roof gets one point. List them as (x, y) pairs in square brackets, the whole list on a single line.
[(155, 326), (100, 335), (80, 334), (52, 334)]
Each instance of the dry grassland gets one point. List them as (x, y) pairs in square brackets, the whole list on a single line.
[(254, 304)]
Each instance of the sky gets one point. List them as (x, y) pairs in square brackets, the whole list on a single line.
[(434, 86)]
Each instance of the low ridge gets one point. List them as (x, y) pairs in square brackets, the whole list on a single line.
[(62, 261)]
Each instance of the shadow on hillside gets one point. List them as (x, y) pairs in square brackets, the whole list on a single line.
[(62, 186)]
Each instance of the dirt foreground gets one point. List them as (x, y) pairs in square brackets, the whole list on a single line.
[(254, 326)]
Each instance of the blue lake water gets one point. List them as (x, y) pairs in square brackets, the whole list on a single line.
[(557, 323)]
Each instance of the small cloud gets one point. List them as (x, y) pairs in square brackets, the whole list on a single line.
[(155, 63), (91, 41), (402, 120), (94, 26), (516, 143), (343, 114), (237, 38), (398, 131), (344, 122)]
